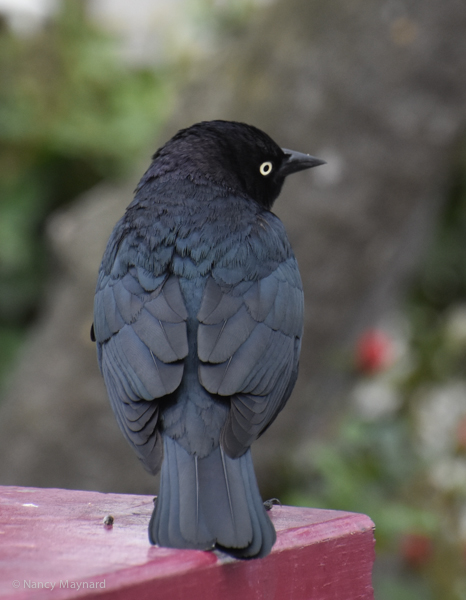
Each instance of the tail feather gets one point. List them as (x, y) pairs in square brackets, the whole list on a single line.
[(168, 505), (261, 545), (208, 502)]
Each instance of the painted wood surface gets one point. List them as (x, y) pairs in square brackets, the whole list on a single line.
[(53, 538)]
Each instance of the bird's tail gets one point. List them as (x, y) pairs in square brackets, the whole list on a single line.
[(208, 502)]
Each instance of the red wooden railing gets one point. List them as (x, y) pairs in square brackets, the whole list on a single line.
[(54, 545)]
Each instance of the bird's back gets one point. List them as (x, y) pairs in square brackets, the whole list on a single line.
[(198, 319)]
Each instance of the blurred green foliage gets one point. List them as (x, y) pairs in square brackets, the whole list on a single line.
[(72, 113), (381, 466), (222, 18), (441, 281), (367, 469)]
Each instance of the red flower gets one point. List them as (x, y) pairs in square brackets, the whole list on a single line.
[(416, 549), (374, 351)]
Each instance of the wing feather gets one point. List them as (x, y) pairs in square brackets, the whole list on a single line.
[(248, 344), (141, 334)]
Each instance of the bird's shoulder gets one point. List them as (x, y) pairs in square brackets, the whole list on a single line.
[(192, 231)]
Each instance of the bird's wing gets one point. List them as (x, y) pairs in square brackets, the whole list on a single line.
[(249, 340), (140, 329)]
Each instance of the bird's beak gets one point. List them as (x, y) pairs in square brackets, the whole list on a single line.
[(297, 161)]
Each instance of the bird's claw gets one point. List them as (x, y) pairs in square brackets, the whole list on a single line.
[(268, 504)]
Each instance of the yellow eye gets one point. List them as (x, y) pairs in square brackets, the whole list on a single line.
[(266, 168)]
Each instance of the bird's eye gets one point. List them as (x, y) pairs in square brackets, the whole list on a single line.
[(266, 168)]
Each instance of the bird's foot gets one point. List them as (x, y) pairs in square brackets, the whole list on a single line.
[(268, 504)]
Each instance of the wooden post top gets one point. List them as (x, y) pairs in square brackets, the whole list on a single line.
[(54, 545)]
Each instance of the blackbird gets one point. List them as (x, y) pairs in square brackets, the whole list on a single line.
[(198, 319)]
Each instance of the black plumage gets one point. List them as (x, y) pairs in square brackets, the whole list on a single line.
[(198, 320)]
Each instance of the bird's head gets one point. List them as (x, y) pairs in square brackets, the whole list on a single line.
[(233, 155)]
